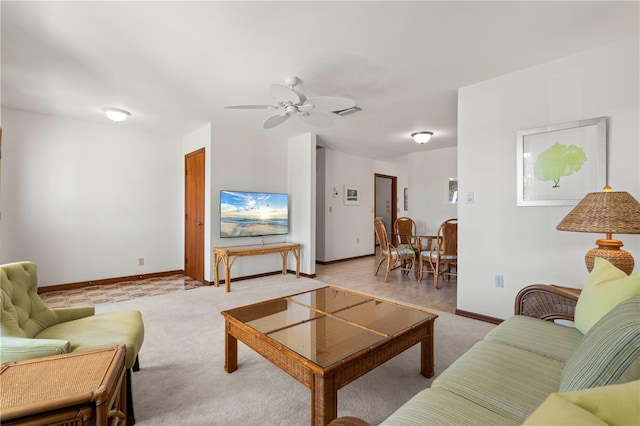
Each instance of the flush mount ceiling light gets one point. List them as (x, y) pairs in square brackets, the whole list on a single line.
[(422, 137), (116, 114)]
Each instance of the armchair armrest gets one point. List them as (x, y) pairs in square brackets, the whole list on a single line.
[(21, 348), (70, 314), (547, 302)]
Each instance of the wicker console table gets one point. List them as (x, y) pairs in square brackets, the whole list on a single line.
[(228, 255), (75, 389)]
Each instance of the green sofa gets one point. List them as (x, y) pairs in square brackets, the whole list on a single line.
[(533, 369), (514, 375)]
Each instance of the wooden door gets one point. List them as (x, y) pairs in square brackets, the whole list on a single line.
[(194, 214)]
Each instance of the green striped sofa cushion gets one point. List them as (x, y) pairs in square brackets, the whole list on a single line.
[(609, 349), (437, 406), (506, 380)]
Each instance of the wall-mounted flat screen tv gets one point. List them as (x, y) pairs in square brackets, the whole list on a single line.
[(253, 214)]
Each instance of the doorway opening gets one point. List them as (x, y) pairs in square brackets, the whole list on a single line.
[(386, 200)]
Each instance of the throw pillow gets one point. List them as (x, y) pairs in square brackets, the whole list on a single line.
[(604, 405), (605, 288), (608, 349)]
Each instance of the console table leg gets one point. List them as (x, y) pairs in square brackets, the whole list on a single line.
[(284, 262), (227, 274), (216, 262)]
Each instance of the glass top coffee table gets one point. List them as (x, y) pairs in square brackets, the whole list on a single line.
[(328, 337)]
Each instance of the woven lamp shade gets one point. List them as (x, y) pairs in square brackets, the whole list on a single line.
[(606, 212)]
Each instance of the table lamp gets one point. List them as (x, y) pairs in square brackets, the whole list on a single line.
[(606, 212)]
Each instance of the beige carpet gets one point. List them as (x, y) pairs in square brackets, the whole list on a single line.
[(182, 379)]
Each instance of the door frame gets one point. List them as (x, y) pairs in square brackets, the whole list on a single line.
[(394, 199), (188, 192)]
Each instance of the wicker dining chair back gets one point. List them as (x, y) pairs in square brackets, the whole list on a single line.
[(402, 258), (449, 233), (381, 233), (445, 252), (404, 229)]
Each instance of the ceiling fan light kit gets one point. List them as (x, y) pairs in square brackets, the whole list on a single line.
[(314, 111), (422, 137)]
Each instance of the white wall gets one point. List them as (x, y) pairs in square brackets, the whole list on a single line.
[(302, 202), (346, 231), (429, 174), (86, 200), (245, 160), (521, 243), (348, 228), (321, 198)]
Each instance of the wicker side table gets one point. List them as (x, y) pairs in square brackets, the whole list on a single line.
[(83, 388)]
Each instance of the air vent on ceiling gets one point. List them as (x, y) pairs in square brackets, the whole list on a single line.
[(348, 111)]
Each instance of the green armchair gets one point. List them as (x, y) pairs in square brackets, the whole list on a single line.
[(31, 330)]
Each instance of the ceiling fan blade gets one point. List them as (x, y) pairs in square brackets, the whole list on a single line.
[(319, 119), (283, 93), (275, 120), (252, 107), (330, 103)]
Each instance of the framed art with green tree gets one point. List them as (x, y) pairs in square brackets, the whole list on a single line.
[(559, 164)]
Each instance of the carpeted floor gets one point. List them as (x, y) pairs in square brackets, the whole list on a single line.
[(182, 379)]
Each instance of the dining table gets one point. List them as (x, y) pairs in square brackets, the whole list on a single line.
[(420, 242)]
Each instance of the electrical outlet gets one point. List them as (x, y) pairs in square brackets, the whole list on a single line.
[(499, 281), (141, 261)]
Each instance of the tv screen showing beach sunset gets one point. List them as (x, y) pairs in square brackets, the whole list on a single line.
[(251, 214)]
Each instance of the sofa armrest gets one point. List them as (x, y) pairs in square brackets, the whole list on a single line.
[(348, 421), (70, 314), (21, 348), (547, 302)]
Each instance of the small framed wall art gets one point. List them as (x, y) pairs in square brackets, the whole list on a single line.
[(406, 199), (351, 195)]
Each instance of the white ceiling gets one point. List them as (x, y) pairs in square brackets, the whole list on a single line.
[(175, 65)]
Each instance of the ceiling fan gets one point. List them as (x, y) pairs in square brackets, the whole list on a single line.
[(313, 111)]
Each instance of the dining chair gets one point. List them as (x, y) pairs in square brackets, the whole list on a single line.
[(404, 234), (425, 244), (443, 253), (402, 258)]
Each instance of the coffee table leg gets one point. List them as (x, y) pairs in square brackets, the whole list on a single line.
[(324, 400), (230, 350), (426, 353)]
